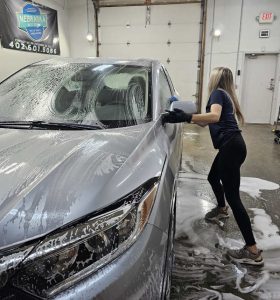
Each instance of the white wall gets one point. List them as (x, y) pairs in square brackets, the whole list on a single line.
[(223, 51), (78, 28), (12, 60)]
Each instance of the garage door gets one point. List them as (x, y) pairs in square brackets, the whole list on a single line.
[(169, 33)]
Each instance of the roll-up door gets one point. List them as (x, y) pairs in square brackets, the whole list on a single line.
[(169, 33)]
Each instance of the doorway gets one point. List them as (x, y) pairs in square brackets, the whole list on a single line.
[(258, 88)]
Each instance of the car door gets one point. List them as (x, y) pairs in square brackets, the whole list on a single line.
[(169, 140), (173, 131)]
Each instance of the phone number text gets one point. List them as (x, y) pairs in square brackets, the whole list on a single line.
[(32, 48)]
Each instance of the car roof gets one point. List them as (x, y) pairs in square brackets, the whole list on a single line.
[(141, 62)]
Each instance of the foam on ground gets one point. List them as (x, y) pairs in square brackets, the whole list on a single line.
[(253, 186)]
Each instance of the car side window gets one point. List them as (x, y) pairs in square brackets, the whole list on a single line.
[(164, 91)]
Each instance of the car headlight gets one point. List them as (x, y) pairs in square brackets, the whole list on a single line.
[(65, 257)]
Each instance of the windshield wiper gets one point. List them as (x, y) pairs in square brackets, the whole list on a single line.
[(49, 125)]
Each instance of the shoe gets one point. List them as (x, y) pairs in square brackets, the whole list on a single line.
[(244, 256), (217, 213)]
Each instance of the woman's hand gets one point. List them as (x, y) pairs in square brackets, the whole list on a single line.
[(177, 116)]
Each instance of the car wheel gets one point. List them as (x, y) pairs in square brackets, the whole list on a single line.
[(170, 252)]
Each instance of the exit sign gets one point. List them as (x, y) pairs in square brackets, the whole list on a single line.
[(266, 17)]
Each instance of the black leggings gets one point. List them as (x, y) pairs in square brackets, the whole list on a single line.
[(224, 178)]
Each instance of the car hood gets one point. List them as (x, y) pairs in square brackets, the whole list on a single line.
[(51, 178)]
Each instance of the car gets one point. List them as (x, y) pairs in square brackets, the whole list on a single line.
[(88, 180)]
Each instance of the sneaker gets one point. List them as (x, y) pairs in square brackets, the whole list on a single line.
[(244, 256), (217, 213)]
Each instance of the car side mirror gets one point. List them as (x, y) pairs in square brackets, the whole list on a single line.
[(189, 107)]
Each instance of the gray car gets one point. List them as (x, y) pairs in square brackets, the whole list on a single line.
[(88, 180)]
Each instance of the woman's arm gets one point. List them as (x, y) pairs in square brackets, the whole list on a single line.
[(179, 116), (201, 124), (212, 117)]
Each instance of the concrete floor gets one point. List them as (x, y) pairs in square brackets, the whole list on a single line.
[(202, 270)]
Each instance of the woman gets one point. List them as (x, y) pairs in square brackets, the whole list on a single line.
[(224, 176)]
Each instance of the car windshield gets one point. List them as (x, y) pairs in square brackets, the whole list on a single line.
[(115, 95)]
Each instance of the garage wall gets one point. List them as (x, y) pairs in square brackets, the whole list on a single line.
[(12, 60), (78, 28), (228, 16)]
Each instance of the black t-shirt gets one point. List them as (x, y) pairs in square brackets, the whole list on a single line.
[(227, 126)]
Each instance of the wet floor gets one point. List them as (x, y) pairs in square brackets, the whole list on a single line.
[(202, 270)]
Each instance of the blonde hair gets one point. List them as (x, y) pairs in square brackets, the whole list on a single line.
[(221, 78)]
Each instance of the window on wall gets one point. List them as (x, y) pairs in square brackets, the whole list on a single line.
[(164, 91)]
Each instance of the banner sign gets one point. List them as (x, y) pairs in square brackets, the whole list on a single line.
[(28, 26)]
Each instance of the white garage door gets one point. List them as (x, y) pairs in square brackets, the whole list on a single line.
[(172, 36)]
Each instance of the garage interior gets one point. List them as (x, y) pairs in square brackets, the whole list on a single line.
[(191, 38)]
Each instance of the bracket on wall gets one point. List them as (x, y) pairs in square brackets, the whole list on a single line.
[(252, 56), (169, 23), (128, 43), (168, 60), (96, 4), (168, 43), (148, 12)]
